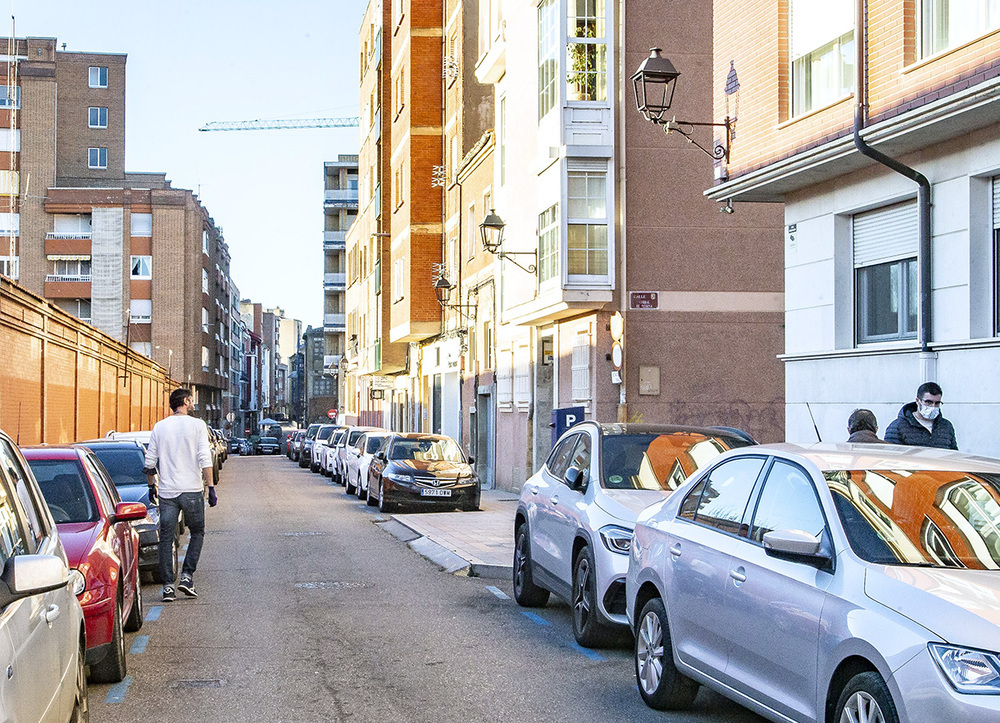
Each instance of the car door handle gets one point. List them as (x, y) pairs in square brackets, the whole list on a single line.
[(675, 550), (738, 575), (534, 490), (555, 499), (51, 614)]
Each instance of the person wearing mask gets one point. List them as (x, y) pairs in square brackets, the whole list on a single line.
[(920, 422), (863, 427)]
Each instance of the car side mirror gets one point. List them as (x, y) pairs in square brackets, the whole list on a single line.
[(798, 546), (129, 511), (472, 460), (576, 479), (27, 575)]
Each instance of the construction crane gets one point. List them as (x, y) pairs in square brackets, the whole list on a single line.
[(274, 125)]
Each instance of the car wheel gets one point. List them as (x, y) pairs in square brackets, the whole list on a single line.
[(369, 497), (661, 685), (361, 492), (866, 698), (112, 668), (134, 621), (302, 461), (526, 592), (81, 703), (348, 487), (384, 505), (587, 628)]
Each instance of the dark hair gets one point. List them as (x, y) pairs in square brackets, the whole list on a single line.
[(862, 419), (177, 398), (929, 388)]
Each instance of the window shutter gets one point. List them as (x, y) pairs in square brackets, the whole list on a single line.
[(505, 391), (885, 234), (996, 202), (522, 375), (581, 365)]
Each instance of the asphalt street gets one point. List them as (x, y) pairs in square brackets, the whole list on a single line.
[(308, 611)]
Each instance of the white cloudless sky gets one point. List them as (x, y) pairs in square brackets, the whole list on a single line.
[(194, 61)]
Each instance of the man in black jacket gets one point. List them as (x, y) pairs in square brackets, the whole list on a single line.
[(920, 422), (863, 427)]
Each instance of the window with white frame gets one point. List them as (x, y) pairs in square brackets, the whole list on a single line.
[(548, 243), (97, 158), (473, 234), (98, 77), (581, 364), (10, 140), (97, 117), (548, 56), (6, 101), (141, 224), (205, 359), (140, 311), (206, 322), (10, 266), (948, 23), (586, 51), (10, 223), (822, 52), (142, 267), (502, 139), (204, 243), (76, 269), (142, 347), (505, 378), (72, 225), (81, 310), (398, 269), (522, 375), (587, 224), (885, 271), (204, 281)]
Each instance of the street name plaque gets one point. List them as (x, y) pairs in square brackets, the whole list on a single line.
[(644, 300)]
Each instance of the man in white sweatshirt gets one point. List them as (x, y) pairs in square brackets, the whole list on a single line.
[(179, 450)]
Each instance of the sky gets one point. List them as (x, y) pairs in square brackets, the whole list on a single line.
[(194, 61)]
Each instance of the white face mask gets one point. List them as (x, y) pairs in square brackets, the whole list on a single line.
[(928, 413)]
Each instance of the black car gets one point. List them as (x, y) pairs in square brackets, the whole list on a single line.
[(268, 445), (425, 470)]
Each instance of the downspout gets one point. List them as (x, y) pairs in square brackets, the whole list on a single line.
[(923, 190)]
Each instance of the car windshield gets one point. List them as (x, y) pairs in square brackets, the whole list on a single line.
[(311, 432), (66, 491), (925, 518), (124, 465), (651, 461), (353, 437), (373, 444), (427, 450), (324, 434), (338, 437), (268, 440)]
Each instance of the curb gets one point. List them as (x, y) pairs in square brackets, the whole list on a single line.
[(441, 556)]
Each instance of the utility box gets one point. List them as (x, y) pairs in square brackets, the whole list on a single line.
[(563, 419)]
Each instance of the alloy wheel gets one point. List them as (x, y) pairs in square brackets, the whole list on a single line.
[(581, 600), (649, 653), (861, 708)]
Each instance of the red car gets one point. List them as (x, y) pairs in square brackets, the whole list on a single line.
[(102, 548)]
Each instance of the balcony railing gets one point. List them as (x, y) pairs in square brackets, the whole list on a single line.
[(60, 277), (335, 281), (141, 318), (342, 197), (68, 235), (335, 240), (337, 322)]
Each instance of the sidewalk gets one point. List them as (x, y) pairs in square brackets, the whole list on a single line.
[(479, 544)]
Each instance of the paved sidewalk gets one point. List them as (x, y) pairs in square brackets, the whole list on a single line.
[(480, 544)]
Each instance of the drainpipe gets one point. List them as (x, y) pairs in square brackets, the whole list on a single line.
[(927, 358)]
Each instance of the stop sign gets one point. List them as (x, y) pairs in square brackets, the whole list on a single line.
[(332, 414)]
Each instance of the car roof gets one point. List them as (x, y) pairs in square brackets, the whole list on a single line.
[(844, 456), (421, 435), (46, 451), (112, 443)]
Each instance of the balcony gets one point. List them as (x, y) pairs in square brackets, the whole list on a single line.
[(53, 235), (335, 322), (67, 287), (341, 198), (141, 318), (334, 240), (61, 277), (334, 282)]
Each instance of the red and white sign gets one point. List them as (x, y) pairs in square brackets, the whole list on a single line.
[(332, 414)]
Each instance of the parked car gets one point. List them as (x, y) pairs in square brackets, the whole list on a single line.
[(329, 459), (367, 445), (236, 445), (124, 462), (574, 521), (140, 437), (828, 582), (42, 630), (268, 445), (290, 444), (102, 549), (305, 453), (425, 470), (296, 444), (323, 435), (346, 451)]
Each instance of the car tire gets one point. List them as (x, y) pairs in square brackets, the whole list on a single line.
[(302, 461), (361, 492), (81, 703), (133, 622), (112, 668), (526, 592), (587, 627), (866, 697), (371, 499), (660, 684), (348, 487), (384, 505)]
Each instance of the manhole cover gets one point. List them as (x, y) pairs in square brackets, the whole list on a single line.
[(206, 683), (331, 585), (302, 534)]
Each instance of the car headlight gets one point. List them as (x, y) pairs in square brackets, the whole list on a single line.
[(617, 539), (77, 582), (969, 671), (397, 477)]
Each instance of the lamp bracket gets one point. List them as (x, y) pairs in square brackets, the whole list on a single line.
[(530, 268), (686, 128)]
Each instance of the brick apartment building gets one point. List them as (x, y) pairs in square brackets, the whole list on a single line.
[(340, 209), (873, 307), (136, 258)]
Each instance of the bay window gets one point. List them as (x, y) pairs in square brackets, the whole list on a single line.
[(587, 223), (586, 51), (548, 243), (548, 60)]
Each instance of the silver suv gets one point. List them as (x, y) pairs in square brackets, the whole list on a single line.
[(573, 525)]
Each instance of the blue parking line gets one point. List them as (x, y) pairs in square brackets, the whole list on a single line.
[(139, 644), (535, 618), (154, 613), (587, 652), (118, 691), (498, 592)]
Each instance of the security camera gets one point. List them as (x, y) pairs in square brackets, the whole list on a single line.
[(728, 207)]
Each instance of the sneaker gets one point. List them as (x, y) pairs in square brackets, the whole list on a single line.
[(168, 593), (186, 586)]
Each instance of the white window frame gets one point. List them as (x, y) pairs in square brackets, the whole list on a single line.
[(586, 48), (977, 23), (397, 280), (5, 100), (590, 223), (548, 244), (205, 359), (144, 265), (98, 119), (9, 139), (581, 365), (522, 375), (141, 225), (505, 379), (141, 311), (204, 281), (819, 38), (97, 76), (97, 158), (548, 56)]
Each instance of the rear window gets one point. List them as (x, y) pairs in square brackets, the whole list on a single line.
[(324, 433), (659, 461), (373, 444), (353, 437), (66, 491), (338, 437), (124, 465), (268, 440)]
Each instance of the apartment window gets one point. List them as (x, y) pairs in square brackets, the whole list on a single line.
[(473, 234), (522, 375), (206, 322), (10, 141), (140, 311), (142, 267), (822, 47), (98, 117), (98, 77), (204, 243), (581, 365), (205, 359), (587, 226), (502, 140), (548, 58), (397, 279), (505, 378), (81, 310), (885, 263), (9, 266), (97, 157), (72, 269), (142, 347), (10, 223), (548, 243), (141, 224), (400, 89), (204, 281), (586, 51), (399, 181), (6, 101), (947, 23)]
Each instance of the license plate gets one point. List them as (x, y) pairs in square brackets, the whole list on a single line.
[(435, 493)]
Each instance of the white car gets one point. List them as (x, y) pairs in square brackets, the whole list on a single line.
[(368, 444), (346, 450), (329, 458)]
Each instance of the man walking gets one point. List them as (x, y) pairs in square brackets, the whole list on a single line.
[(863, 427), (179, 448), (920, 422)]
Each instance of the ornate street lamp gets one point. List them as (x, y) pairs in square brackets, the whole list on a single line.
[(492, 232), (443, 289)]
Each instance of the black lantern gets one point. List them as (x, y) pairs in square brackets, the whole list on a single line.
[(654, 83), (442, 289), (492, 231)]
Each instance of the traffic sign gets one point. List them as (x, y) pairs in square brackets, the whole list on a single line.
[(332, 414)]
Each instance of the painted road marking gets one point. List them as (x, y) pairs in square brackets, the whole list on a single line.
[(139, 644), (535, 618), (498, 592), (118, 691), (587, 652), (154, 613)]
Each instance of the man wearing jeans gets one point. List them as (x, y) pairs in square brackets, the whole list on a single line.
[(179, 449)]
